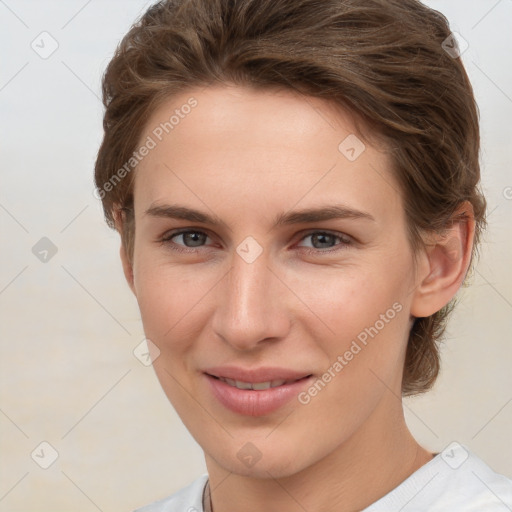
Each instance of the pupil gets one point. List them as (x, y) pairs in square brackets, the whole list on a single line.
[(194, 237), (322, 237)]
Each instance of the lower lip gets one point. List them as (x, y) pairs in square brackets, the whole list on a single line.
[(251, 402)]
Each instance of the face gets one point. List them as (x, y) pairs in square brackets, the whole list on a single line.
[(271, 250)]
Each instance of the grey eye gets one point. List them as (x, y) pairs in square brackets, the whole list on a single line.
[(191, 238)]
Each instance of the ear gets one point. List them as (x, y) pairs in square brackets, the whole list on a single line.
[(119, 219), (444, 263)]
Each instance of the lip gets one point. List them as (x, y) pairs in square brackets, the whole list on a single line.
[(255, 402)]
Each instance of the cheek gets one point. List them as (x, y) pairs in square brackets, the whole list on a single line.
[(170, 298), (170, 303), (362, 333), (341, 303), (363, 349)]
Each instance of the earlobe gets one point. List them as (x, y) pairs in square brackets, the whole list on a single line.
[(445, 263)]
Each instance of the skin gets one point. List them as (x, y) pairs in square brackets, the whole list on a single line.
[(247, 156)]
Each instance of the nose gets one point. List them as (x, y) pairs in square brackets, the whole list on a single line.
[(251, 305)]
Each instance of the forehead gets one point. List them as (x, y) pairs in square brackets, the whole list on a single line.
[(272, 147)]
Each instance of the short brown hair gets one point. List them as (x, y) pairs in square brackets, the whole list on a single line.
[(384, 60)]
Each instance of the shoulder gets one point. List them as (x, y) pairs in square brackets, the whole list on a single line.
[(455, 479), (188, 499)]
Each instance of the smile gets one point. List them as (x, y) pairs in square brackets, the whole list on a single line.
[(255, 392), (257, 386)]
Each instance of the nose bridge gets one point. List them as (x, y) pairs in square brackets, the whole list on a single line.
[(248, 311)]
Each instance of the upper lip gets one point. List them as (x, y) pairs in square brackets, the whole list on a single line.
[(253, 375)]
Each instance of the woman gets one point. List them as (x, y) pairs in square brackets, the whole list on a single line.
[(296, 186)]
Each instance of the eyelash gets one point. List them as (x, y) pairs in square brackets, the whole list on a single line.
[(344, 239)]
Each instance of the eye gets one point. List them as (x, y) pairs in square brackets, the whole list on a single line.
[(187, 240), (321, 240), (190, 239)]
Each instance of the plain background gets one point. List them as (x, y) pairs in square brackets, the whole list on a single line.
[(69, 325)]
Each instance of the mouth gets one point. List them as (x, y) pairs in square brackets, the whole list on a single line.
[(257, 386), (255, 392)]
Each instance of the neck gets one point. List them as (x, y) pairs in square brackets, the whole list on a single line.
[(365, 467)]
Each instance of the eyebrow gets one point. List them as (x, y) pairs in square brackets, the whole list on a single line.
[(308, 215)]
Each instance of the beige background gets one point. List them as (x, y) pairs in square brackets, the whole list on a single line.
[(68, 327)]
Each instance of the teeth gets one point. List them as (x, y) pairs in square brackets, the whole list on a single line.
[(261, 385), (258, 386), (243, 385)]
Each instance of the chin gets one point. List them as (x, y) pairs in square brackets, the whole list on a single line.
[(275, 466), (260, 458)]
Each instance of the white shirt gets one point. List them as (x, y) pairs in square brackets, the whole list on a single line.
[(455, 480)]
